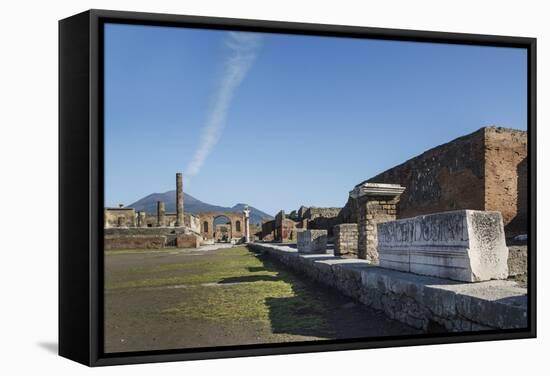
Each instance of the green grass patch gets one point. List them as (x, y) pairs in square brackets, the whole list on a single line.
[(229, 265), (280, 305), (245, 287)]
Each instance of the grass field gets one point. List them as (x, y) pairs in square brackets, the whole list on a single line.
[(181, 299)]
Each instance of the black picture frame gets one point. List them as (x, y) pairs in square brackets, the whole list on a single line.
[(81, 185)]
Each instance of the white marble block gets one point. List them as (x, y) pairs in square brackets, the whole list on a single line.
[(312, 241), (463, 245)]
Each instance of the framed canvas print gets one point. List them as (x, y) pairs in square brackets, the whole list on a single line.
[(235, 187)]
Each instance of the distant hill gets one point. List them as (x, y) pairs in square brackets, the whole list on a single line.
[(192, 205)]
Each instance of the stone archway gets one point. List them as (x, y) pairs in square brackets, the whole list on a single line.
[(236, 224), (223, 229)]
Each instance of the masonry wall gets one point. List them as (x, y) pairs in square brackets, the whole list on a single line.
[(119, 217), (485, 170), (506, 177), (193, 222), (319, 218), (312, 213), (345, 239), (447, 177), (134, 242), (268, 230)]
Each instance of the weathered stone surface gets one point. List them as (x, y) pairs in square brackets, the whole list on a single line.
[(119, 217), (134, 242), (169, 233), (484, 170), (376, 203), (376, 190), (179, 200), (208, 229), (517, 260), (141, 219), (463, 245), (161, 211), (345, 239), (420, 301), (312, 241), (188, 241)]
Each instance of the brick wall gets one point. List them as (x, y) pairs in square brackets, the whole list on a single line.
[(506, 177), (485, 170), (134, 242), (345, 239)]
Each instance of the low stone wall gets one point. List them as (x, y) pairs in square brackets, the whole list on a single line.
[(420, 301), (146, 231), (169, 234), (188, 241), (134, 242), (345, 239)]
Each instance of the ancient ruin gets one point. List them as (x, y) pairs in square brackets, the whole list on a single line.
[(235, 229), (432, 242), (126, 228)]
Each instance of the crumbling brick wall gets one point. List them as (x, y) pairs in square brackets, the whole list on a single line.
[(485, 170), (506, 177), (447, 177)]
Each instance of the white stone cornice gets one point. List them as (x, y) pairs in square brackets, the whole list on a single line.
[(376, 189)]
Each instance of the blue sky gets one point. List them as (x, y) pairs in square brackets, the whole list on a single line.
[(306, 120)]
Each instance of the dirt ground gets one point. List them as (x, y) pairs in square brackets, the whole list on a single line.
[(174, 299)]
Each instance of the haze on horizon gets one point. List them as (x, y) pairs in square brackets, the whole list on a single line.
[(310, 118)]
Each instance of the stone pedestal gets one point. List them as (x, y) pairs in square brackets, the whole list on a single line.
[(312, 241), (377, 203), (463, 245), (345, 239)]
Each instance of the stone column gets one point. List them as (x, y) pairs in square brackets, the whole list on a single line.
[(141, 219), (161, 210), (179, 200), (377, 203), (246, 213)]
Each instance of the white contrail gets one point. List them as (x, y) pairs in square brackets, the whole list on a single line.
[(243, 48)]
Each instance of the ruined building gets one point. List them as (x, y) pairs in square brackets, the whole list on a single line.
[(484, 170), (125, 228), (281, 229)]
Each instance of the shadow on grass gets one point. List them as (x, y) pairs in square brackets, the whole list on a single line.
[(254, 269), (250, 278), (306, 313), (315, 310)]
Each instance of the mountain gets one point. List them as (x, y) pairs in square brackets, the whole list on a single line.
[(192, 205)]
